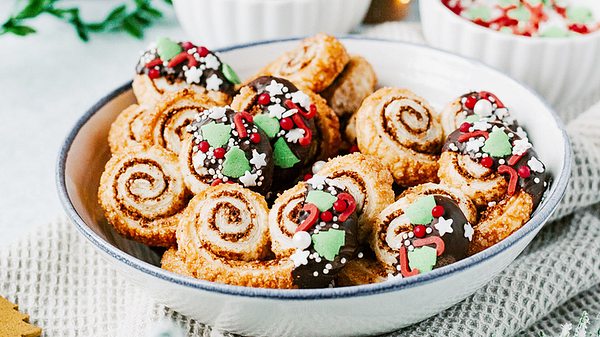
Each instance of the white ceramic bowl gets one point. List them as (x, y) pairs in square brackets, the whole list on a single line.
[(368, 309), (219, 23), (561, 69)]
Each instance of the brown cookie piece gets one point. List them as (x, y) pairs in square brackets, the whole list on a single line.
[(14, 323)]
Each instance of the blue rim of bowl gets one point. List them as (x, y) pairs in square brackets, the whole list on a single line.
[(541, 215)]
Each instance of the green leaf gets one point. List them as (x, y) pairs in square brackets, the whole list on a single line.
[(130, 27), (153, 12), (116, 14), (33, 9), (19, 30)]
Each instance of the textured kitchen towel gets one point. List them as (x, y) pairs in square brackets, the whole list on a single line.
[(69, 290)]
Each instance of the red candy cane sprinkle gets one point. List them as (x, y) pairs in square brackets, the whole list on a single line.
[(309, 222), (307, 138), (182, 57), (238, 120), (515, 158), (349, 209), (465, 137), (432, 240), (512, 183), (404, 268), (153, 63)]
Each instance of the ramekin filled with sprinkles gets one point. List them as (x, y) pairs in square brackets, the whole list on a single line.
[(551, 45)]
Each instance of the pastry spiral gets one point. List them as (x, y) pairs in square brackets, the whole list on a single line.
[(143, 194), (314, 64), (223, 237), (369, 182), (423, 216), (130, 128), (284, 219), (171, 116), (351, 87), (403, 131), (170, 66)]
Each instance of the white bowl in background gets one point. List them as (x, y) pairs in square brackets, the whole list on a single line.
[(219, 23), (359, 310), (561, 69)]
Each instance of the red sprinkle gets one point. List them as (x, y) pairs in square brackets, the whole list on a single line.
[(219, 152), (313, 216), (153, 63), (512, 183), (182, 57), (404, 268), (579, 28), (286, 123), (204, 146), (326, 216), (466, 136), (487, 162), (216, 182), (307, 138), (515, 158), (308, 115), (238, 119), (487, 95), (153, 73), (351, 206), (187, 45), (524, 171), (464, 127), (307, 176), (354, 148), (438, 211), (340, 205), (255, 138), (470, 102), (264, 98), (440, 246), (202, 51), (419, 231)]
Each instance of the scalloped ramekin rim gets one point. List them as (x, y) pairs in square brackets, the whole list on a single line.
[(579, 38), (539, 218)]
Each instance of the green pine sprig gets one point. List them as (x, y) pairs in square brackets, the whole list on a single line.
[(132, 19)]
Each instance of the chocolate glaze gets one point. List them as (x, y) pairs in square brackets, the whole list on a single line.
[(285, 177), (265, 173), (303, 275), (536, 184), (177, 73)]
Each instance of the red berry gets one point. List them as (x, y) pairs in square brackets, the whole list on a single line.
[(219, 152), (255, 138), (464, 127), (202, 51), (264, 98), (307, 176), (487, 162), (438, 211), (353, 148), (340, 205), (470, 102), (524, 171), (187, 45), (419, 231), (204, 146), (286, 123), (326, 216), (153, 73)]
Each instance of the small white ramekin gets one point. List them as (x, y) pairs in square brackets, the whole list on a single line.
[(219, 23), (561, 69)]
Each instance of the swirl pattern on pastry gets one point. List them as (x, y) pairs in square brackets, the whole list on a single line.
[(369, 182), (424, 229), (284, 219), (143, 194), (130, 128), (351, 87), (226, 146), (314, 64), (223, 237), (171, 116), (402, 130), (170, 66)]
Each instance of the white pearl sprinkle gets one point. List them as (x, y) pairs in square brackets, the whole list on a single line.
[(301, 240)]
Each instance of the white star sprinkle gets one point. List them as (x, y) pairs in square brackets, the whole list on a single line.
[(276, 111), (535, 165), (274, 88), (217, 112), (198, 159), (317, 182), (468, 231), (212, 62), (213, 83), (444, 226), (193, 75), (474, 144), (258, 159), (300, 257), (294, 135), (248, 179), (520, 146), (522, 133), (301, 98), (481, 125)]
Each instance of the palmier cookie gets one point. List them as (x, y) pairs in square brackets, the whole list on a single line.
[(143, 194), (403, 131), (130, 128), (225, 146), (169, 66), (314, 64)]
